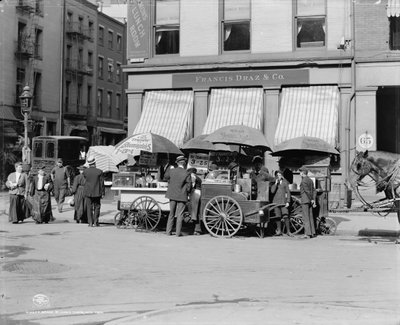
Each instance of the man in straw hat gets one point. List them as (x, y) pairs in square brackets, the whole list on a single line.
[(93, 191), (179, 185)]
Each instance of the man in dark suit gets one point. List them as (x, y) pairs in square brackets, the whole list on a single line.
[(307, 198), (93, 191), (179, 184), (281, 193)]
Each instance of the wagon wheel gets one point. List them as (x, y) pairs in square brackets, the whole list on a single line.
[(222, 216), (122, 220), (295, 218), (327, 226), (146, 211)]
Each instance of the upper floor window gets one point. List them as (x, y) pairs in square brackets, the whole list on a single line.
[(90, 27), (99, 101), (101, 35), (236, 25), (166, 35), (110, 70), (110, 40), (38, 43), (118, 73), (394, 37), (119, 42), (100, 67), (310, 23)]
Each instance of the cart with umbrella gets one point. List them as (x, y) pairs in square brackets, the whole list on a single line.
[(319, 157), (226, 204), (142, 201)]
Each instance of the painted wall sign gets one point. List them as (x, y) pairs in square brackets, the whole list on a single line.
[(241, 78), (138, 33)]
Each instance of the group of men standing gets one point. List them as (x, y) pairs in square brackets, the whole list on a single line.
[(30, 195)]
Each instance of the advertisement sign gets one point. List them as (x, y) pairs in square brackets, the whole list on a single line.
[(138, 29), (198, 161), (147, 159)]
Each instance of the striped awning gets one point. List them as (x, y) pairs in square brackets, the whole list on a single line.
[(6, 113), (309, 111), (106, 159), (169, 114), (235, 106), (393, 8)]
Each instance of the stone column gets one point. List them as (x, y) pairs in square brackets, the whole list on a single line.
[(271, 115), (200, 111), (365, 115), (135, 102)]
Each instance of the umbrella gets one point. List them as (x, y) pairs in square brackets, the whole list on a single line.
[(241, 135), (198, 144), (304, 144), (149, 142), (106, 159)]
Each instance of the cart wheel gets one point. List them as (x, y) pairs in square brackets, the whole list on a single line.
[(327, 226), (121, 220), (295, 218), (222, 216), (147, 212)]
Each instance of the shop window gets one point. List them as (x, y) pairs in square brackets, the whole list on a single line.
[(236, 25), (166, 29), (310, 23), (394, 38)]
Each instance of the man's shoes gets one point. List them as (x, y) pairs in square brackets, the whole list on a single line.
[(196, 233), (305, 237), (90, 225), (278, 234), (289, 234)]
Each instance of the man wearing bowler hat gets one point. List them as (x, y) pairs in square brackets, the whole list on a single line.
[(307, 198), (62, 183), (179, 185), (93, 191)]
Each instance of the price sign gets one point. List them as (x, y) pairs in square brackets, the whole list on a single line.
[(147, 159), (198, 161), (366, 141)]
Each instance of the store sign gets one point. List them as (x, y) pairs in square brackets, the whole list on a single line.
[(366, 141), (241, 78), (198, 161), (138, 29), (147, 159)]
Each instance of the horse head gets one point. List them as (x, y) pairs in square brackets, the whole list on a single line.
[(361, 166)]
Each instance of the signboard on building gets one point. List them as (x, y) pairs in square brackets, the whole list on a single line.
[(138, 29), (241, 78), (366, 141)]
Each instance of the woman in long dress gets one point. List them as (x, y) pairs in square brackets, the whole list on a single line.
[(40, 189), (79, 198)]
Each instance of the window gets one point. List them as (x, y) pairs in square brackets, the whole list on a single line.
[(89, 96), (80, 59), (100, 67), (90, 61), (39, 7), (101, 35), (118, 105), (37, 89), (109, 103), (38, 149), (99, 101), (80, 24), (91, 29), (79, 97), (394, 37), (50, 149), (110, 40), (67, 94), (38, 43), (68, 57), (166, 34), (110, 70), (118, 73), (236, 25), (119, 43), (310, 23)]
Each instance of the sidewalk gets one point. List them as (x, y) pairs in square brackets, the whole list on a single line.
[(348, 223)]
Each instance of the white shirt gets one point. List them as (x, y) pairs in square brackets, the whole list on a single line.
[(40, 182), (17, 176)]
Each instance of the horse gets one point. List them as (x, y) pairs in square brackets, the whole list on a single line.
[(383, 167)]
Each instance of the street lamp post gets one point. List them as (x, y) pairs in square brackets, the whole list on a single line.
[(26, 109)]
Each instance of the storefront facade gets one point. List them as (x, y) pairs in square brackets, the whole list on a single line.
[(278, 82)]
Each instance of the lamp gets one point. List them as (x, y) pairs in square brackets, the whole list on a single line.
[(26, 109)]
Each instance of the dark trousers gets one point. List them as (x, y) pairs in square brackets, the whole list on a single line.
[(176, 210), (93, 209), (308, 219)]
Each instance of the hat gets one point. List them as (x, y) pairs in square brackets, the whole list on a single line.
[(180, 158), (82, 167), (59, 160), (192, 170), (91, 161), (257, 159), (303, 169)]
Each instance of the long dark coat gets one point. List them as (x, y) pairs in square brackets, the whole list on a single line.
[(41, 203), (79, 198)]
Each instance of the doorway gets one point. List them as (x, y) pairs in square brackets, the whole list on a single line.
[(388, 119)]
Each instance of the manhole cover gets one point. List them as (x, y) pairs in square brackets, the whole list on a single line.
[(34, 267)]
